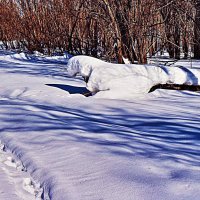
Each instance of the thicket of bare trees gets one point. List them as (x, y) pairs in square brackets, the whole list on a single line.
[(112, 29)]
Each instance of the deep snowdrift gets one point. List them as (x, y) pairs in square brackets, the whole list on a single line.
[(127, 81)]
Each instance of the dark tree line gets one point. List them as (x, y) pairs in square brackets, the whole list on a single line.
[(113, 29)]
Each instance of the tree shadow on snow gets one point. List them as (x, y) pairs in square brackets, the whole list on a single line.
[(163, 135)]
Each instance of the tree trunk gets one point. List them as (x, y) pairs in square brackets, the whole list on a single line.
[(117, 32), (177, 40), (185, 47), (197, 31)]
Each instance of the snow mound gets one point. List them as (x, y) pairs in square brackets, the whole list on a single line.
[(125, 81)]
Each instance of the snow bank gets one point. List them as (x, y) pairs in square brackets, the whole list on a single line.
[(127, 80)]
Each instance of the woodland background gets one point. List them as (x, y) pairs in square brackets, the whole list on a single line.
[(110, 29)]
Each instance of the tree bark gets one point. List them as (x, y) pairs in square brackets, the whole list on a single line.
[(197, 31), (117, 31)]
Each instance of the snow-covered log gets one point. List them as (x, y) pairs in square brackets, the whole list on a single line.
[(127, 80)]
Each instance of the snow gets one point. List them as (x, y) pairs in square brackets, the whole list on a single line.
[(127, 81), (73, 147), (12, 177)]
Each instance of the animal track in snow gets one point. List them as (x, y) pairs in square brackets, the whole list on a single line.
[(32, 187), (2, 146), (11, 162), (24, 186)]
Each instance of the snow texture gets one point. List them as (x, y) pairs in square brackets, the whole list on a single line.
[(127, 81), (78, 148)]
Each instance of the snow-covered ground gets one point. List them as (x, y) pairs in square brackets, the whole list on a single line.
[(58, 144)]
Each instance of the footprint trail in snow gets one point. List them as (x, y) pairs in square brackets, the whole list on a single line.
[(15, 181)]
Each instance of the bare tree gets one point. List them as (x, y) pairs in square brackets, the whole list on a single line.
[(113, 29), (197, 30)]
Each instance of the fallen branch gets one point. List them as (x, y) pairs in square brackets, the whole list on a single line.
[(175, 87)]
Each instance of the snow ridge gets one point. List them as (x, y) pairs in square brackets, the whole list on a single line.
[(25, 187)]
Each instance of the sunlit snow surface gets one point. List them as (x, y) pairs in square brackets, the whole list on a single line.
[(126, 81), (81, 148)]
